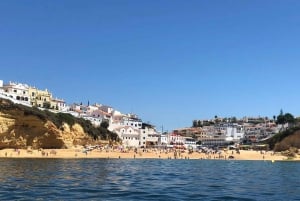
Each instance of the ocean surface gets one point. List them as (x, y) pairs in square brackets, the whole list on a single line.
[(148, 179)]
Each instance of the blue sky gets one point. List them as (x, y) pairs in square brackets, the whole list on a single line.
[(168, 61)]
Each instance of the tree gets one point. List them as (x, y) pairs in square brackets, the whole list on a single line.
[(195, 123), (285, 118), (217, 121), (281, 118), (289, 118), (46, 105), (233, 120), (104, 124)]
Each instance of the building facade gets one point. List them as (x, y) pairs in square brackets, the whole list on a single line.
[(17, 92), (40, 98)]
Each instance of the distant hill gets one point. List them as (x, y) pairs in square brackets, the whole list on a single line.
[(22, 127), (285, 140)]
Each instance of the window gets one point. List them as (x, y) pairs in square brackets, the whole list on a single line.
[(15, 90), (33, 94)]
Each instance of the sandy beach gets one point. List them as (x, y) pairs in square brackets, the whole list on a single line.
[(140, 154)]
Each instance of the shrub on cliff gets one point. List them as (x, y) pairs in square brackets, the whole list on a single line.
[(286, 139)]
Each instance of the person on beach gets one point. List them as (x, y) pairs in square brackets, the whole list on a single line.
[(175, 154)]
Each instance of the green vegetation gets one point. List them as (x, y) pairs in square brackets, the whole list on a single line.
[(285, 118), (277, 142)]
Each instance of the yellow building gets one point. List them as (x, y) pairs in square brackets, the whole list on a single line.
[(40, 98)]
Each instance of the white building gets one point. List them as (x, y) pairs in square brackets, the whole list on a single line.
[(163, 140), (117, 119), (95, 121), (234, 133), (134, 122), (148, 136), (190, 142), (59, 104), (16, 92), (130, 136), (106, 109), (136, 136)]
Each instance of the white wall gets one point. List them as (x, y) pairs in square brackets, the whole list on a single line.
[(232, 133)]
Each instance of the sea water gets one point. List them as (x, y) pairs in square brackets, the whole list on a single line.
[(148, 179)]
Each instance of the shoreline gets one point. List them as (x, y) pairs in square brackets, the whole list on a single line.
[(249, 155)]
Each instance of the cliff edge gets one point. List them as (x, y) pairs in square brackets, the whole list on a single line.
[(22, 127)]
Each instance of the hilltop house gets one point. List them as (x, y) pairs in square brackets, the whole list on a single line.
[(16, 92), (30, 96)]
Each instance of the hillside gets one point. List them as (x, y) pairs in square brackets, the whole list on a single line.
[(285, 140), (22, 127)]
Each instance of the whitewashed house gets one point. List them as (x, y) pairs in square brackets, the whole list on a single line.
[(163, 140), (59, 104), (134, 122), (16, 92), (190, 142), (148, 136), (130, 136), (117, 119), (234, 133)]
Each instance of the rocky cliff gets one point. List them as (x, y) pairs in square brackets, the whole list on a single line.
[(21, 129)]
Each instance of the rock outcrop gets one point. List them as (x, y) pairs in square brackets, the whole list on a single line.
[(20, 130)]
